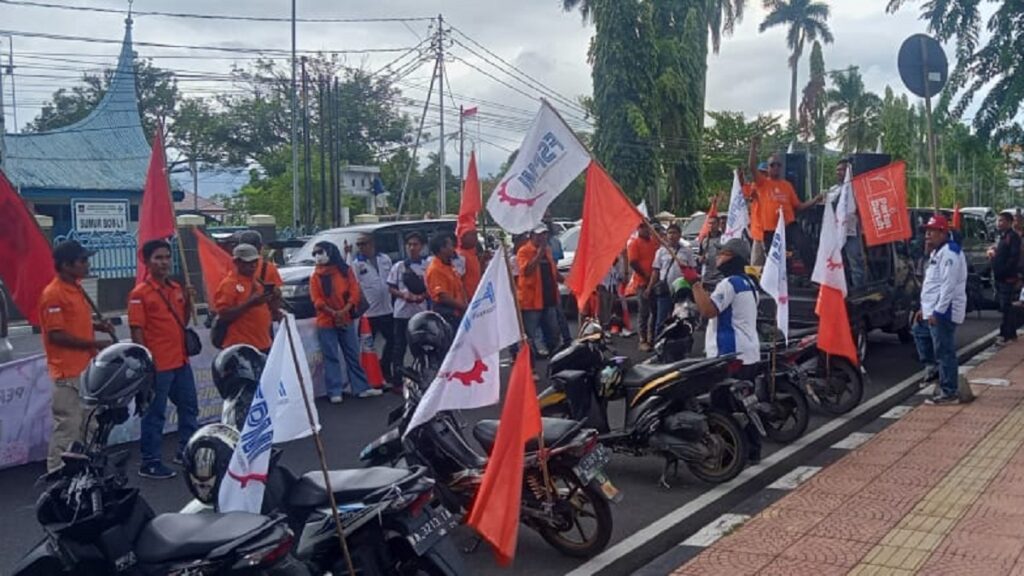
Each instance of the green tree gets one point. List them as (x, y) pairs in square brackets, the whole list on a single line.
[(806, 21), (854, 110), (897, 124), (813, 106), (727, 143)]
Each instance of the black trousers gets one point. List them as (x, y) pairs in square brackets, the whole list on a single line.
[(1006, 294), (399, 341), (383, 326), (749, 373)]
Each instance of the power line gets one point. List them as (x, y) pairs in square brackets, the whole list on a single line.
[(191, 15)]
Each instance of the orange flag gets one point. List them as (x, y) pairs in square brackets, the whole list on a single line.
[(608, 220), (495, 512), (710, 217), (215, 262), (470, 205), (156, 217), (26, 260), (834, 335)]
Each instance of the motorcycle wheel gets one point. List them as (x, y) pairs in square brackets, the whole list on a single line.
[(723, 428), (791, 413), (587, 504), (841, 389)]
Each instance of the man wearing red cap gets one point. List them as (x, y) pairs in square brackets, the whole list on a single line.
[(943, 307)]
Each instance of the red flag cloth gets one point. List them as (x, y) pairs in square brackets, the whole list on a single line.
[(156, 217), (957, 219), (834, 335), (882, 204), (26, 260), (470, 111), (214, 261), (710, 217), (608, 220), (470, 205), (495, 512)]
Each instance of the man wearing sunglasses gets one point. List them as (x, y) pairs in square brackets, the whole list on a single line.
[(372, 269), (774, 192)]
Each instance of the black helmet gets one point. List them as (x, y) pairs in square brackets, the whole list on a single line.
[(116, 375), (429, 335), (236, 366), (206, 460)]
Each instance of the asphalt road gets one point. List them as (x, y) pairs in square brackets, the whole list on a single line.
[(348, 427)]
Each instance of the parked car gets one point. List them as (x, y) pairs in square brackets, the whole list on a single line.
[(387, 237), (691, 228), (976, 235)]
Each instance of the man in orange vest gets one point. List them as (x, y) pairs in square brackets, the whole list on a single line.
[(537, 290)]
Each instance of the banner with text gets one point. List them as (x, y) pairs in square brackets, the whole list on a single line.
[(882, 204)]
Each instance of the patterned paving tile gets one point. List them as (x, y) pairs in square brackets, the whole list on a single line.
[(801, 521), (991, 547), (791, 567), (765, 537), (845, 553), (716, 529), (847, 526), (812, 500), (715, 562), (949, 565)]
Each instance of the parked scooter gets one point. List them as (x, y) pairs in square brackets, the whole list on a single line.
[(96, 524), (671, 410), (569, 508), (832, 383), (390, 518)]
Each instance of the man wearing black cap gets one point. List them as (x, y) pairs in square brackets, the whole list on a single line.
[(69, 339), (1005, 261)]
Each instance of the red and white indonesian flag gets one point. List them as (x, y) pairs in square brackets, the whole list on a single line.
[(549, 159), (277, 414), (739, 216), (774, 280), (469, 375)]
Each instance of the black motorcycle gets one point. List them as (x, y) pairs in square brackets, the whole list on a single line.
[(569, 507), (831, 382), (96, 524), (681, 410)]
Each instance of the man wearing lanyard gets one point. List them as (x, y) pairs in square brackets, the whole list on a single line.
[(667, 268), (407, 282), (372, 269)]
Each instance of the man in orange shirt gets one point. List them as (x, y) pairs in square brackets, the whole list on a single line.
[(69, 340), (537, 290), (158, 311), (244, 302), (444, 285), (467, 251), (266, 270), (640, 251)]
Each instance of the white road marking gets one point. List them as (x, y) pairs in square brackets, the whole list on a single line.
[(853, 441), (666, 522), (711, 533), (990, 381), (795, 477), (928, 390), (897, 412)]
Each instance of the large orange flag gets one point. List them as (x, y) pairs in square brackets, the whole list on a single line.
[(495, 512), (710, 217), (26, 260), (834, 335), (608, 220), (156, 217), (214, 261), (470, 205)]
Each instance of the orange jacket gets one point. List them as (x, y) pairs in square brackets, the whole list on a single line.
[(529, 288), (344, 289)]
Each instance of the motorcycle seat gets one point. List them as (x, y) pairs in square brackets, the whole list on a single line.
[(171, 537), (348, 485), (486, 431), (640, 374)]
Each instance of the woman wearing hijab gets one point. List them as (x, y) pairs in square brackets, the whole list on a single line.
[(335, 294)]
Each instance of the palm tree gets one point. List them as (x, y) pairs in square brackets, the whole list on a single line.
[(856, 112), (807, 21)]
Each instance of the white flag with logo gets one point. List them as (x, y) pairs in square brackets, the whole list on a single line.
[(277, 414), (773, 278), (549, 159), (828, 266), (469, 374), (739, 216)]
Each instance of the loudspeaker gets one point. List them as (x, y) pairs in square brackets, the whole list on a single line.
[(805, 183), (868, 161)]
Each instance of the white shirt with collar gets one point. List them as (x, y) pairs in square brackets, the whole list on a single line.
[(944, 290), (403, 309), (667, 266), (373, 276)]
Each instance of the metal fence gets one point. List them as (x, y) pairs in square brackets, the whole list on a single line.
[(115, 252)]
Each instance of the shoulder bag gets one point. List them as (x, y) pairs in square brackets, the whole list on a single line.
[(193, 345)]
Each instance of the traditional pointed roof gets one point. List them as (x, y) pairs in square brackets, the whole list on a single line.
[(105, 151)]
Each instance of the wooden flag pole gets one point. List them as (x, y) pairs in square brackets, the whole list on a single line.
[(177, 234), (319, 450)]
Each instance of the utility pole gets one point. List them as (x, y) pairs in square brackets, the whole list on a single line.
[(330, 149), (3, 125), (295, 134), (462, 147), (194, 168), (323, 167), (14, 90), (307, 163), (442, 200)]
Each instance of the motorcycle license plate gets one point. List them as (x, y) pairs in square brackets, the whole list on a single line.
[(750, 400), (438, 523), (592, 464)]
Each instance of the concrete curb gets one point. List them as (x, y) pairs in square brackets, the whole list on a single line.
[(633, 553)]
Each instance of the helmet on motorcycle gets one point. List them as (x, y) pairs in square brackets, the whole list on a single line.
[(116, 375), (611, 377), (206, 460), (590, 329), (681, 290), (236, 366), (429, 335)]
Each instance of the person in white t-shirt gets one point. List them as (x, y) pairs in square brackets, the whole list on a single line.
[(410, 296), (732, 313), (668, 266)]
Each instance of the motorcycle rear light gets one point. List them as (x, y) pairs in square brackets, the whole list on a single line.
[(267, 555), (419, 503)]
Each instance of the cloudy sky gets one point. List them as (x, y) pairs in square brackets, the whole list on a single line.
[(535, 36)]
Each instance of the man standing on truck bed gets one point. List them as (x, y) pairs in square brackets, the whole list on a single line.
[(1005, 257)]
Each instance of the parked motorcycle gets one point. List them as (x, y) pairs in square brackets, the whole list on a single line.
[(831, 382), (569, 507), (391, 520), (670, 410), (96, 524)]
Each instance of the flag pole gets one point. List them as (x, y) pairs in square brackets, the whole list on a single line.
[(319, 449), (177, 233)]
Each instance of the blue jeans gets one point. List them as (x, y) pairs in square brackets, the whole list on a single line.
[(546, 321), (178, 385), (347, 339), (936, 346), (663, 311)]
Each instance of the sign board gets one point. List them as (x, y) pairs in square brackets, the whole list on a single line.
[(923, 65), (100, 215)]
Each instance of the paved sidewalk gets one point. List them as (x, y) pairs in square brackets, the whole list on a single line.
[(940, 491)]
